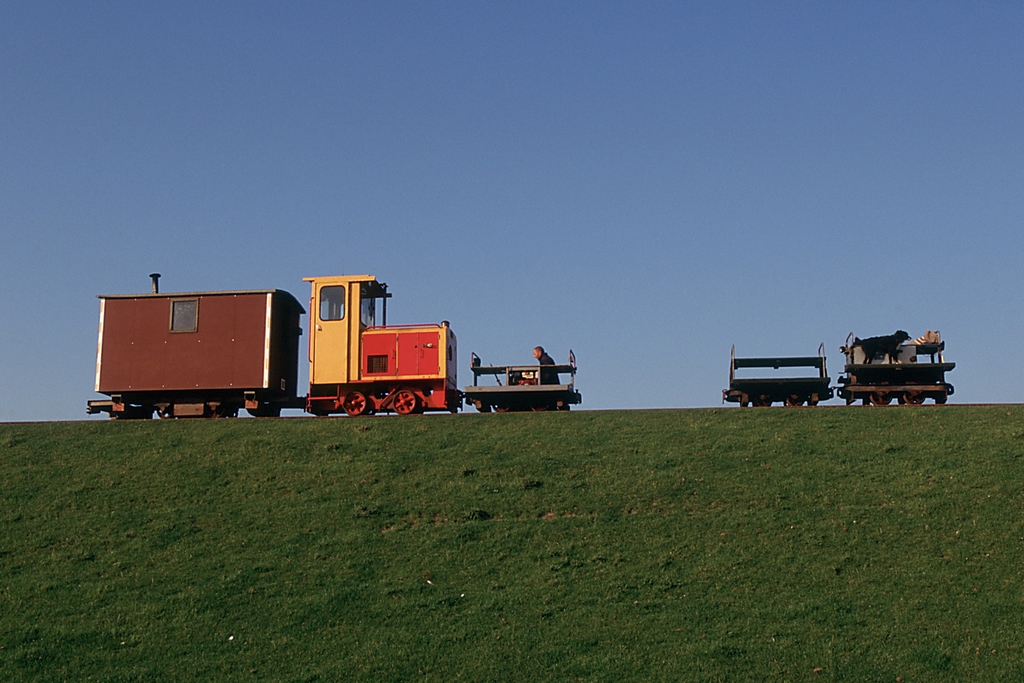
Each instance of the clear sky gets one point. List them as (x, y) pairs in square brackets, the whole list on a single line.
[(647, 183)]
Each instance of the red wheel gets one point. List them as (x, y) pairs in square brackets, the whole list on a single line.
[(881, 398), (406, 402), (355, 404)]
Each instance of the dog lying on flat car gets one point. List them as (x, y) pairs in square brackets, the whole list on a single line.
[(888, 344)]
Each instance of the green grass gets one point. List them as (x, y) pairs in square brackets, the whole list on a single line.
[(715, 545)]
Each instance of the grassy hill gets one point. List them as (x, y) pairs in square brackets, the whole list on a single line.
[(820, 544)]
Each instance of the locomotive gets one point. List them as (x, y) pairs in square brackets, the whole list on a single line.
[(212, 354)]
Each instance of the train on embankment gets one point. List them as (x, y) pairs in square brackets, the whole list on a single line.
[(216, 353)]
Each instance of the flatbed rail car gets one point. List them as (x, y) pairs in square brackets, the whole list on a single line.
[(917, 373), (791, 391), (522, 388)]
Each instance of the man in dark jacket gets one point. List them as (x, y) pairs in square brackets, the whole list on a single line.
[(547, 376)]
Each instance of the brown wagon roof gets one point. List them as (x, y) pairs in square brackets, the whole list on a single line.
[(164, 295), (179, 295)]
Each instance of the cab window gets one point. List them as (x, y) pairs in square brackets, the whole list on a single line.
[(368, 312), (332, 302)]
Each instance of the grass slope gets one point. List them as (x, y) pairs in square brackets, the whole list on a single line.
[(814, 544)]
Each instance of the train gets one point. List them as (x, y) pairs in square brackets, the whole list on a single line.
[(215, 353)]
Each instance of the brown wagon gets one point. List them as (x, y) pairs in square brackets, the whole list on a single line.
[(198, 354)]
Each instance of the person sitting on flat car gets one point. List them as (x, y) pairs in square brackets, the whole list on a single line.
[(547, 375)]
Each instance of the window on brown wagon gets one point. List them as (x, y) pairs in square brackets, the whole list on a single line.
[(185, 315)]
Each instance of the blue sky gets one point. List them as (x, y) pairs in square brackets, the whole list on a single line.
[(646, 183)]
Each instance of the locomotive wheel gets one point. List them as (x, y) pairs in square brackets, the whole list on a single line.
[(940, 399), (880, 398), (762, 402), (355, 404), (794, 401), (406, 402)]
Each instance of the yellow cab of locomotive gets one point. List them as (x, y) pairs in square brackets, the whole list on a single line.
[(359, 367)]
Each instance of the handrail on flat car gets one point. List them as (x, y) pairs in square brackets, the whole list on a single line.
[(776, 362)]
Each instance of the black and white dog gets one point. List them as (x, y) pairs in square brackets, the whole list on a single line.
[(888, 344)]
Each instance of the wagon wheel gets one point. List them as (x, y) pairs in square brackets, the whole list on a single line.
[(482, 407), (914, 398), (406, 402), (940, 399), (794, 401), (539, 409), (813, 400), (502, 409), (355, 404), (219, 410), (880, 398), (761, 402)]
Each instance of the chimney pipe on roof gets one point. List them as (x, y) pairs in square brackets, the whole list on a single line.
[(156, 282)]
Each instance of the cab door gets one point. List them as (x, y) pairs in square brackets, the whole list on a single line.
[(333, 309)]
